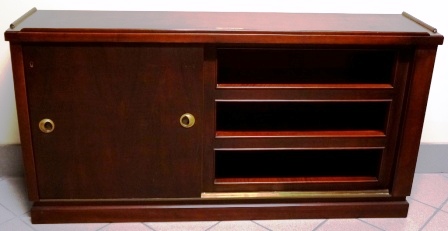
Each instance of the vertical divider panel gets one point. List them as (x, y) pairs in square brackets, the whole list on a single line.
[(403, 59), (209, 72)]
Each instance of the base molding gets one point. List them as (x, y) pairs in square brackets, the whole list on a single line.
[(42, 212)]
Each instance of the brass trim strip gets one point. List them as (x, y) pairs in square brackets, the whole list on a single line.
[(23, 17), (297, 194), (420, 22)]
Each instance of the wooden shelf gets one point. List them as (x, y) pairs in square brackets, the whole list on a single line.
[(292, 134), (302, 86), (304, 94), (295, 180)]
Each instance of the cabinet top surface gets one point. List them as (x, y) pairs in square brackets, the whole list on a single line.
[(219, 23)]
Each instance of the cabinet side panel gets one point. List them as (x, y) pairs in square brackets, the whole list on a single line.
[(24, 120), (413, 118)]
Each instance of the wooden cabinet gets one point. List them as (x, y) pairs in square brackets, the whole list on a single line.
[(143, 116)]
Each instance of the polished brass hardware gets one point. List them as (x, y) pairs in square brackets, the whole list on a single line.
[(46, 125), (187, 120), (301, 194), (418, 21), (22, 18)]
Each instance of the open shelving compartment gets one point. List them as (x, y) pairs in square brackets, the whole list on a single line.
[(277, 67), (303, 120), (297, 166), (297, 117), (299, 120)]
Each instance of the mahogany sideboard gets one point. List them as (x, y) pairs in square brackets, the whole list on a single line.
[(168, 116)]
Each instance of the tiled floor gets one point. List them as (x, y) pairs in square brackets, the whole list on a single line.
[(428, 211)]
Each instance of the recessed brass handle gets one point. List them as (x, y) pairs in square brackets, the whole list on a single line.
[(46, 125), (187, 120)]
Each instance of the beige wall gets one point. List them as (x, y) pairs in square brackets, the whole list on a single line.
[(430, 11)]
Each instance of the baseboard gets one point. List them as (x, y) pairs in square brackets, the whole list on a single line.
[(11, 162), (432, 158)]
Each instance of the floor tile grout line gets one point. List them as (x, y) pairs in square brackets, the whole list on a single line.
[(148, 226), (6, 221), (444, 203), (429, 219), (212, 225), (439, 209), (209, 228), (261, 225), (13, 213), (441, 206), (29, 210), (26, 199), (29, 224), (432, 206), (320, 225), (104, 227), (26, 223), (366, 222), (9, 220)]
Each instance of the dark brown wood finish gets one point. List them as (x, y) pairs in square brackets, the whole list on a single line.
[(116, 110), (210, 75), (24, 120), (415, 109), (401, 75), (224, 27), (296, 115), (222, 21), (139, 213)]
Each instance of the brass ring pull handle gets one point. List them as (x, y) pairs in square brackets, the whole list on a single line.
[(46, 125), (187, 120)]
